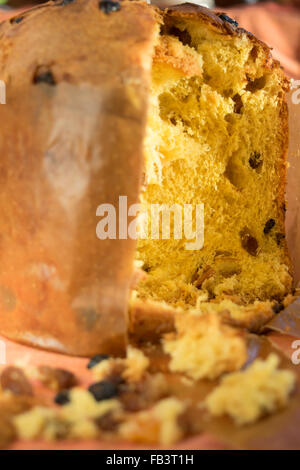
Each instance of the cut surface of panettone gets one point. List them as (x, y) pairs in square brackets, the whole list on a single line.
[(217, 136)]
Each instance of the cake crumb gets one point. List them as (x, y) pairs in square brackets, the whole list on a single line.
[(131, 369), (205, 348), (159, 424), (248, 395)]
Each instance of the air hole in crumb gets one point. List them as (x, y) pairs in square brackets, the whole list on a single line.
[(254, 53), (256, 84), (255, 160), (238, 103), (183, 36), (235, 173)]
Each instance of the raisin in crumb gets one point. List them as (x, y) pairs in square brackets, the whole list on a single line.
[(255, 160), (107, 422), (279, 238), (228, 19), (96, 360), (269, 225), (249, 243), (62, 398), (103, 390), (277, 307), (108, 6)]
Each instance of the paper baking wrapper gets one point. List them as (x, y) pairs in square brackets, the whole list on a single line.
[(288, 321)]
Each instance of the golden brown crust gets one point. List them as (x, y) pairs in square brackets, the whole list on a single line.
[(72, 132), (149, 321)]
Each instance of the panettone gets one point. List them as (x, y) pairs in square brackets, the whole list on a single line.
[(176, 106)]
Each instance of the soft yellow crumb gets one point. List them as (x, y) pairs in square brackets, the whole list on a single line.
[(248, 395)]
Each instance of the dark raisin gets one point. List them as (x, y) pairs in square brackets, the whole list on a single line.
[(17, 19), (284, 206), (66, 2), (14, 380), (62, 398), (255, 160), (96, 360), (224, 17), (249, 243), (277, 307), (103, 390), (107, 6), (107, 422), (44, 76), (57, 379), (238, 104), (279, 238), (269, 225), (183, 36)]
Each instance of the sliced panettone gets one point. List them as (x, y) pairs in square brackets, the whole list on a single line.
[(175, 106)]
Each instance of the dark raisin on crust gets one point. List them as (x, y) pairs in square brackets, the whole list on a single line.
[(108, 6), (224, 17), (103, 390), (96, 360), (255, 160), (62, 398), (44, 76), (66, 2), (277, 307), (16, 20), (269, 225)]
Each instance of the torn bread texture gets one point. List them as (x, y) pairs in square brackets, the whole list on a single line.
[(205, 348), (248, 395), (75, 419), (132, 368), (158, 424)]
